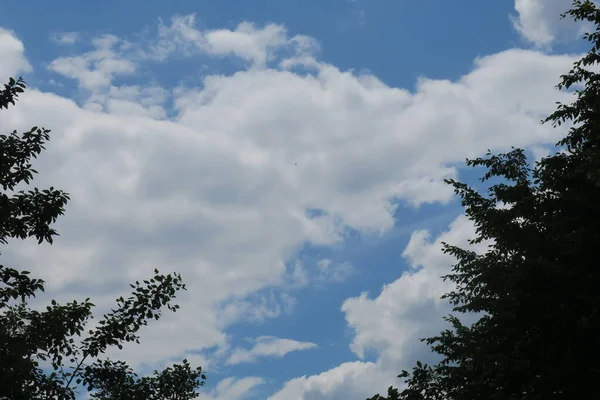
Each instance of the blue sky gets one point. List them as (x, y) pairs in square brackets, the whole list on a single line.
[(286, 157)]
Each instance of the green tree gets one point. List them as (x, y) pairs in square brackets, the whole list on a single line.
[(537, 286), (49, 354)]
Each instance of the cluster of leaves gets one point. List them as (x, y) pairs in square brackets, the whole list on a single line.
[(11, 91), (537, 287), (49, 354)]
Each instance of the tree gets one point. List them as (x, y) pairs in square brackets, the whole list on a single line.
[(41, 356), (537, 287)]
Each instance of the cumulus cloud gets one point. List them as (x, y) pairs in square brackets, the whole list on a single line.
[(392, 323), (95, 69), (12, 53), (539, 22), (219, 190), (233, 389), (351, 380), (267, 346), (257, 46), (411, 306), (131, 100)]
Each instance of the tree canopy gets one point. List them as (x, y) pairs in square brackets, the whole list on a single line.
[(49, 354), (537, 287)]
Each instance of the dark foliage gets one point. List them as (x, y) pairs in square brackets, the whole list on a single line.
[(538, 285)]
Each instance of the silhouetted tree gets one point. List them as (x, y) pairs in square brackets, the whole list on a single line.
[(538, 285)]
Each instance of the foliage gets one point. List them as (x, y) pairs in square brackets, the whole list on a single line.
[(537, 288), (49, 354)]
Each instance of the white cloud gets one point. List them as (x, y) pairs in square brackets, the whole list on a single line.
[(220, 191), (131, 100), (256, 46), (233, 389), (391, 323), (12, 54), (351, 380), (95, 69), (409, 307), (539, 22), (67, 38), (267, 346)]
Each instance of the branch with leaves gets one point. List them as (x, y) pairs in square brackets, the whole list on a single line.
[(48, 354)]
